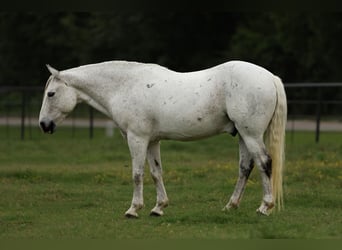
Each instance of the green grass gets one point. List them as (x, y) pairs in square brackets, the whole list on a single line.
[(66, 187)]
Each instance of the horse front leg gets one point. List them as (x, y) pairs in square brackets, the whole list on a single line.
[(138, 148), (154, 160)]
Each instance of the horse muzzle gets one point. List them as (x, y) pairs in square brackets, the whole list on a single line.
[(47, 126)]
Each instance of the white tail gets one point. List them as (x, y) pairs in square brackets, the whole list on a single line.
[(275, 142)]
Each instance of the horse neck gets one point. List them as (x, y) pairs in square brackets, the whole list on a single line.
[(92, 92), (97, 83), (100, 106)]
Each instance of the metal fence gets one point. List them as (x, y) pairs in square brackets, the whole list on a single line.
[(317, 102), (19, 106)]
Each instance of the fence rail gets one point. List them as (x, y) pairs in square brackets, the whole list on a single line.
[(25, 101)]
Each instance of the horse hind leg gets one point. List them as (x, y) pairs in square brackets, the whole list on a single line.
[(257, 149), (154, 160), (246, 164), (266, 170)]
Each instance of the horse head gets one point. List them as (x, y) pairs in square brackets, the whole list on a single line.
[(58, 101)]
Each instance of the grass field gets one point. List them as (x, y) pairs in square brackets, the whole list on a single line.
[(61, 187)]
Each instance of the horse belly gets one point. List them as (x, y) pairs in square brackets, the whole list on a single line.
[(193, 124)]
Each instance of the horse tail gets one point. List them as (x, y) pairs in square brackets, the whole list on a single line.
[(275, 142)]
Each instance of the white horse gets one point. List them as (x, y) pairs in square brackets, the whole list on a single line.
[(148, 103)]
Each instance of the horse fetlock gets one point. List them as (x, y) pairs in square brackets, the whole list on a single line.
[(268, 201), (231, 205), (137, 206), (158, 209), (164, 203)]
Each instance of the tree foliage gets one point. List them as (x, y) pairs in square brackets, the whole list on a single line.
[(296, 46)]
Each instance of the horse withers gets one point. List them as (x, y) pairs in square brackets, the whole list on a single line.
[(149, 103)]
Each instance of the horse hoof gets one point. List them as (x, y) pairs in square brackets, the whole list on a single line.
[(156, 213), (131, 215), (265, 213), (264, 210)]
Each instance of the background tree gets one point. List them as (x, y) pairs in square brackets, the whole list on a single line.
[(299, 47)]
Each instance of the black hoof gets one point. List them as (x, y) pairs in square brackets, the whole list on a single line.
[(130, 216), (154, 214)]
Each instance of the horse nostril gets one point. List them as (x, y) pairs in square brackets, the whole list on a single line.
[(47, 127), (42, 125), (52, 127)]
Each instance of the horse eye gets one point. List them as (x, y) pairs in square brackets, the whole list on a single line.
[(50, 94)]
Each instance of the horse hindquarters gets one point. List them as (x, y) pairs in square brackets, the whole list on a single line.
[(270, 163)]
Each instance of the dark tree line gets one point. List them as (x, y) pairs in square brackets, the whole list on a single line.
[(299, 47)]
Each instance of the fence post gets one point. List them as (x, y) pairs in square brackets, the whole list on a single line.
[(7, 119), (318, 114), (292, 129), (23, 111), (91, 122), (73, 125)]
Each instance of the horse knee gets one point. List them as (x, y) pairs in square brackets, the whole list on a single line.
[(138, 178)]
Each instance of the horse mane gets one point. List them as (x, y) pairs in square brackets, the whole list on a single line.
[(117, 64)]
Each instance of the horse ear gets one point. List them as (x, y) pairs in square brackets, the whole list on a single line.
[(52, 70)]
